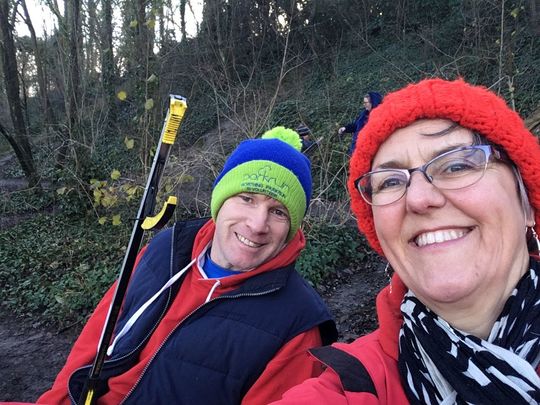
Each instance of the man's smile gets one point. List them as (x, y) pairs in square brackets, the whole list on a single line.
[(248, 242)]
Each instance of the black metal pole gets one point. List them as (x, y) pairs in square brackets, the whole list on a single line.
[(172, 122)]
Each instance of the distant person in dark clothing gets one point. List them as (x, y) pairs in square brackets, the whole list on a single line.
[(371, 100), (305, 133)]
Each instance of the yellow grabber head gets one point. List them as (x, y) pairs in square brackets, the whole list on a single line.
[(159, 220), (177, 109)]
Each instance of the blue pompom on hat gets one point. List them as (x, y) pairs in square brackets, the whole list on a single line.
[(273, 166)]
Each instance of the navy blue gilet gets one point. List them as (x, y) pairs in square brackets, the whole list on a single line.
[(221, 349)]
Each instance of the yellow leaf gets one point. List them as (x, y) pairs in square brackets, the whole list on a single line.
[(108, 201), (61, 190), (186, 178), (129, 143), (133, 24), (152, 78), (93, 181), (115, 174), (132, 190), (151, 24), (116, 220), (102, 220), (149, 104), (514, 13), (122, 95), (97, 196)]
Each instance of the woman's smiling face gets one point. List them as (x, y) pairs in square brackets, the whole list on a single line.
[(457, 250)]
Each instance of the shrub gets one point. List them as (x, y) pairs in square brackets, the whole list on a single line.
[(330, 248), (59, 266)]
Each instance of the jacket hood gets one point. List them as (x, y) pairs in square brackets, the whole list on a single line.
[(376, 98)]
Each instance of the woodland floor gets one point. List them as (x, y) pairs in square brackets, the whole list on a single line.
[(32, 353)]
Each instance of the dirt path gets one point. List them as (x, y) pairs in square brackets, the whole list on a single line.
[(31, 355)]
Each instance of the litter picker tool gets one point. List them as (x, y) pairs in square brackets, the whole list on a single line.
[(144, 221)]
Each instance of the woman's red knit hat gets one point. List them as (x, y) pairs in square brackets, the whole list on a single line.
[(472, 107)]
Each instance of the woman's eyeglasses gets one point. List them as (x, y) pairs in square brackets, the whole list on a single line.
[(458, 168)]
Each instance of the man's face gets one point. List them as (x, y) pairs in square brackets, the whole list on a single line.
[(250, 230), (367, 103)]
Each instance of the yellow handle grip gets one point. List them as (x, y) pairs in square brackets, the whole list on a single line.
[(177, 109), (159, 220)]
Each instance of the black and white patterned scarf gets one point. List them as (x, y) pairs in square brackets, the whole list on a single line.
[(442, 365)]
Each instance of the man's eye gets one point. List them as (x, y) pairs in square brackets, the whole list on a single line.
[(280, 213), (245, 198)]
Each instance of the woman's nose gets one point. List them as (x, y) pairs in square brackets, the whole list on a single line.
[(422, 194)]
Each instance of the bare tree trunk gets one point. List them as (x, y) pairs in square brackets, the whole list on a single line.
[(73, 79), (534, 16), (92, 46), (142, 39), (48, 113), (183, 18), (161, 15), (19, 142), (107, 61), (61, 82)]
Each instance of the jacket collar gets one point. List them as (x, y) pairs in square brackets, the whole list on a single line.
[(389, 314)]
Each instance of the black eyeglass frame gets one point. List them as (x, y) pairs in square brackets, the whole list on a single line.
[(489, 151)]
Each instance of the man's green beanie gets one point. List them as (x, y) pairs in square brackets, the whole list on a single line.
[(273, 166)]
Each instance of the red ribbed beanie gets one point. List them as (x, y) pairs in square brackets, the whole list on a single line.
[(472, 107)]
